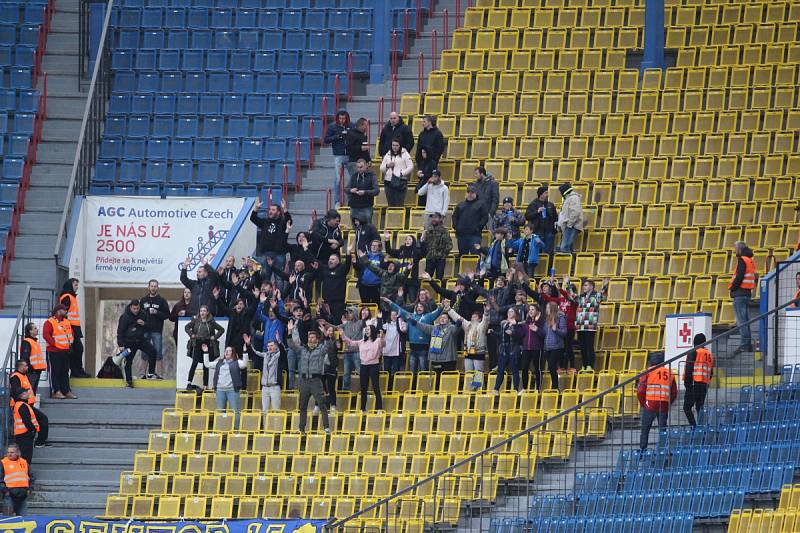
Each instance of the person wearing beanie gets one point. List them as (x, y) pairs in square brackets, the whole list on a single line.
[(570, 220), (696, 377), (326, 236), (657, 390), (57, 333), (541, 214), (508, 218)]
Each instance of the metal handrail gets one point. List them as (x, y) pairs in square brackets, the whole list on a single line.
[(8, 363), (333, 524), (71, 187), (20, 315)]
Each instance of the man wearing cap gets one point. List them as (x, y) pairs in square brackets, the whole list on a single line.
[(570, 219), (487, 189), (469, 218), (508, 218), (542, 215), (657, 390)]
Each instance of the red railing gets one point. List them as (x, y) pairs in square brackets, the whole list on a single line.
[(406, 32), (380, 110), (341, 186), (446, 28), (394, 93), (328, 200), (337, 89), (420, 71), (458, 12), (269, 197), (285, 183), (418, 21), (297, 180), (393, 53), (325, 114), (434, 55), (312, 142)]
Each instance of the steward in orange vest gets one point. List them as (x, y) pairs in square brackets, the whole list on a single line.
[(796, 299), (15, 478), (743, 281), (69, 299), (696, 377), (657, 390), (57, 333), (18, 382), (30, 350), (25, 424)]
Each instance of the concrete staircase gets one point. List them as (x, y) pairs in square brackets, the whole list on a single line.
[(44, 202), (318, 180), (94, 439)]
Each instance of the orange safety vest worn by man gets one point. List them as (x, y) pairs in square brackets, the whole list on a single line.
[(696, 377), (15, 478), (69, 299), (18, 382), (26, 426), (743, 281), (57, 333), (796, 299), (657, 390)]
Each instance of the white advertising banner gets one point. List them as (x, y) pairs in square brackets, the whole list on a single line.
[(130, 240)]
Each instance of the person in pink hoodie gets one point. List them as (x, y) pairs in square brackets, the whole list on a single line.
[(370, 349)]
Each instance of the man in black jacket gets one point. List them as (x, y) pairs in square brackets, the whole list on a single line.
[(363, 189), (395, 128), (357, 144), (333, 279), (335, 136), (487, 189), (365, 233), (272, 237), (205, 290), (326, 235), (469, 218), (541, 214), (431, 139), (131, 336), (156, 311)]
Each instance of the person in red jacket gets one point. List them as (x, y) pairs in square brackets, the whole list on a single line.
[(656, 392), (566, 296)]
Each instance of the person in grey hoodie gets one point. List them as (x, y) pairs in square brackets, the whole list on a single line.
[(311, 361), (553, 334), (352, 327), (270, 375), (443, 349)]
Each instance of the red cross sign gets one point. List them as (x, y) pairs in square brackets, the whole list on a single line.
[(685, 333)]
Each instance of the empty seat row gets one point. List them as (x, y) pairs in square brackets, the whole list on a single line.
[(26, 34), (17, 55), (255, 172), (269, 39), (721, 35), (211, 126), (23, 12), (733, 434), (154, 189), (734, 13), (201, 149), (19, 101), (691, 456), (229, 104), (16, 77), (743, 54), (170, 58), (198, 18), (126, 81), (527, 17), (258, 4)]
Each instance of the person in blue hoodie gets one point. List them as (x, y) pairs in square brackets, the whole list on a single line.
[(369, 283), (529, 248), (417, 339), (268, 312), (495, 262)]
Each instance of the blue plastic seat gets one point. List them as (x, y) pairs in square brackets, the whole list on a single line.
[(316, 19), (219, 82), (128, 39), (20, 77), (197, 18), (174, 190), (157, 148), (249, 39), (148, 82), (182, 172), (13, 168), (187, 127), (264, 61), (163, 125), (229, 150), (115, 125), (268, 18), (246, 191), (278, 104), (222, 190), (175, 18), (122, 59), (312, 61), (163, 104), (267, 82), (152, 17), (286, 127), (156, 172), (187, 104), (288, 60), (243, 83), (124, 189), (365, 42), (204, 149), (290, 82), (169, 59), (100, 189), (255, 104), (181, 149), (272, 39), (336, 61), (252, 150), (241, 61), (246, 18), (25, 56), (210, 104), (149, 190), (202, 39), (239, 126), (301, 105), (178, 39), (197, 190), (339, 19), (221, 18), (207, 172), (319, 40), (134, 148), (233, 104), (217, 60), (171, 82), (295, 40), (314, 82), (263, 127), (292, 19), (259, 172), (361, 19), (233, 172), (130, 17), (111, 148), (213, 126), (225, 39), (130, 171), (152, 40), (105, 170), (275, 150), (124, 81)]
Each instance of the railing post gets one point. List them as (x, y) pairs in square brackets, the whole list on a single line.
[(380, 110), (394, 93), (406, 33), (350, 76), (446, 28), (312, 142), (434, 37), (420, 71), (337, 89)]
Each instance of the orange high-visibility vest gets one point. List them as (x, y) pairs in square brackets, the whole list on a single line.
[(15, 473), (703, 363), (37, 359), (749, 280), (19, 425), (62, 333), (659, 385), (74, 311), (796, 296), (25, 383)]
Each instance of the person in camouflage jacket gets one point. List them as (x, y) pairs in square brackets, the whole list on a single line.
[(436, 245)]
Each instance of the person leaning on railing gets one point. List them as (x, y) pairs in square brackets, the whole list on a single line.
[(656, 392)]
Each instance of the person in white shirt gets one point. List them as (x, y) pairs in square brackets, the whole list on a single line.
[(392, 350), (270, 376), (437, 197), (396, 168)]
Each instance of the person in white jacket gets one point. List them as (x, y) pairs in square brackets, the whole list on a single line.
[(437, 197), (570, 219), (396, 167)]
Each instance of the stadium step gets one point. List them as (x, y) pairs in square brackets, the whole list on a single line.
[(83, 465)]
